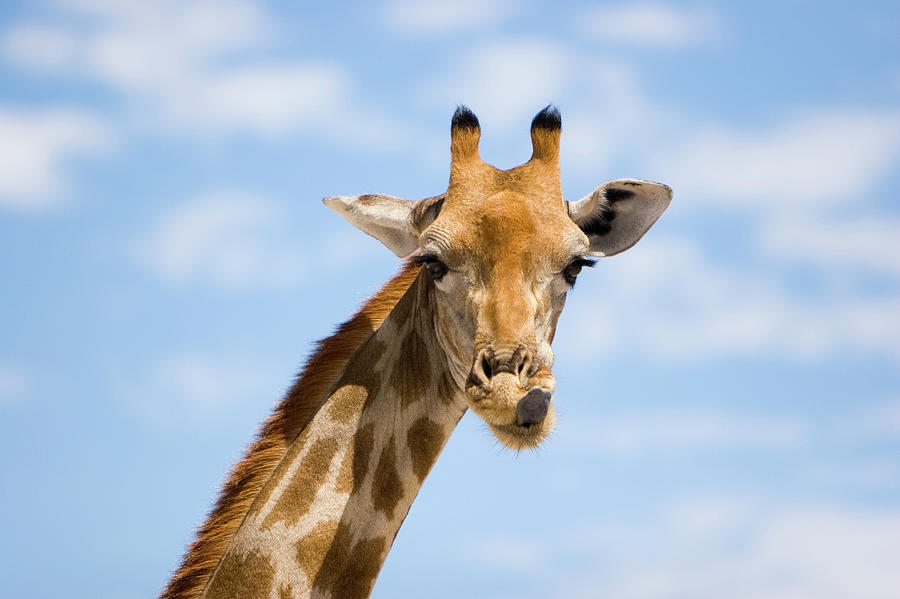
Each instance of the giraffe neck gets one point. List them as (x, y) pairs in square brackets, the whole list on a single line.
[(323, 523)]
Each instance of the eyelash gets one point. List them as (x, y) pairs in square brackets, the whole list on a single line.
[(576, 266), (435, 267), (438, 269)]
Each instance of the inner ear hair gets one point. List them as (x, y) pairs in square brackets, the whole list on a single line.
[(425, 211), (618, 213)]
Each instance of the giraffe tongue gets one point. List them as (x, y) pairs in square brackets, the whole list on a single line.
[(532, 408)]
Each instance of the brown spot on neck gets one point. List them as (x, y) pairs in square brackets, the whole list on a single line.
[(297, 498), (243, 577), (355, 463), (363, 443), (387, 488), (349, 570), (425, 439), (359, 382), (312, 548), (344, 482), (411, 377)]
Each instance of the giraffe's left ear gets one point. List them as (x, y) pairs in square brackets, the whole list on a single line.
[(395, 222), (618, 213)]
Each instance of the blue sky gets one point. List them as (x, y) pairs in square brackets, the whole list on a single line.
[(728, 389)]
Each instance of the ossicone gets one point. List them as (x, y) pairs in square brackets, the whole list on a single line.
[(545, 132), (464, 118), (465, 133)]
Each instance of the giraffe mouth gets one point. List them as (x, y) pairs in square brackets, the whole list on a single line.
[(519, 418), (523, 436)]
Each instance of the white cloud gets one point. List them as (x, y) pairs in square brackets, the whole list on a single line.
[(612, 118), (35, 147), (430, 17), (858, 244), (607, 113), (505, 82), (709, 518), (210, 383), (237, 240), (140, 46), (505, 553), (707, 548), (702, 431), (648, 24), (869, 475), (201, 68), (187, 387), (229, 239), (671, 301), (40, 46), (14, 384), (821, 158), (273, 98), (886, 417), (803, 552), (686, 431)]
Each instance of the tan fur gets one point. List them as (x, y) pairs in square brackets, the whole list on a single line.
[(506, 231), (290, 416)]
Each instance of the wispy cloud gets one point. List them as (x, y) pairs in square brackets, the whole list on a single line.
[(36, 147), (269, 99), (14, 384), (237, 240), (709, 547), (511, 554), (829, 157), (655, 25), (610, 116), (504, 81), (855, 244), (190, 386), (686, 431), (674, 301), (229, 239), (699, 431), (41, 47), (441, 17), (210, 383), (200, 68), (798, 552)]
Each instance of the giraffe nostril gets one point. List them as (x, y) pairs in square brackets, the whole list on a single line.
[(486, 367), (481, 372)]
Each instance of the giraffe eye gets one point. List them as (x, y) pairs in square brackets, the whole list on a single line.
[(436, 269), (574, 268)]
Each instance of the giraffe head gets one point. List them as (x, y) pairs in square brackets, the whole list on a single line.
[(502, 249)]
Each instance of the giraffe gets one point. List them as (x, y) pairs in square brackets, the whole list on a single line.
[(313, 508)]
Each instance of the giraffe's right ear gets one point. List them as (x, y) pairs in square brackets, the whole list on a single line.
[(395, 222)]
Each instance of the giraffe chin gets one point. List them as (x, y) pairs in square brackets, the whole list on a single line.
[(524, 437), (497, 407)]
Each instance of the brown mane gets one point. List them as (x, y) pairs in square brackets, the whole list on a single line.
[(287, 421)]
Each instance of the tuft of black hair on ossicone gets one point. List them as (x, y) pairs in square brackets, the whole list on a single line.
[(548, 118), (464, 118)]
